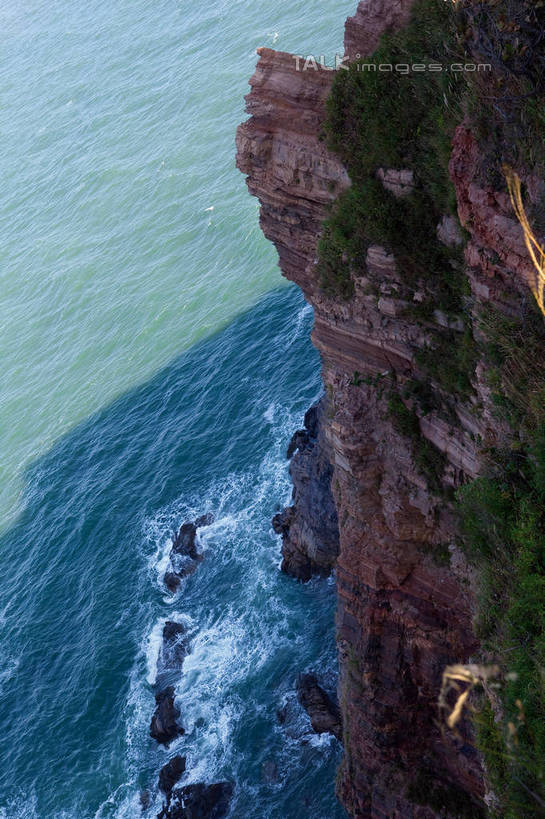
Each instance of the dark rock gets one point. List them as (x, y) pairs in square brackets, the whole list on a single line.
[(309, 527), (282, 521), (324, 713), (170, 774), (204, 520), (289, 717), (164, 727), (145, 800), (281, 714), (184, 543), (299, 440), (172, 582), (181, 566), (174, 648), (199, 801), (312, 420), (184, 555), (172, 631)]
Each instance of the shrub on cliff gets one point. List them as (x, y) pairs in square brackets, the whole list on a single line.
[(389, 119), (503, 527)]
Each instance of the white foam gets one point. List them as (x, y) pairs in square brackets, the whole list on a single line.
[(155, 641), (235, 635)]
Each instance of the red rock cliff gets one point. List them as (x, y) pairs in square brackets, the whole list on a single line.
[(403, 615)]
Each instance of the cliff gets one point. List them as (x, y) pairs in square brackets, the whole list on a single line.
[(410, 413)]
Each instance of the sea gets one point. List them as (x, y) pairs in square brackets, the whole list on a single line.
[(153, 366)]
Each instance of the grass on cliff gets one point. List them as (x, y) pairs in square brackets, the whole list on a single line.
[(380, 119), (503, 529), (507, 104), (429, 460), (397, 120)]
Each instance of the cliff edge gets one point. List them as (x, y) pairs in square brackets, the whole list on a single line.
[(410, 413)]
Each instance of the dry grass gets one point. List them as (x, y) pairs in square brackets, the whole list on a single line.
[(537, 254)]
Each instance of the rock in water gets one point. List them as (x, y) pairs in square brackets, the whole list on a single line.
[(325, 716), (172, 581), (184, 543), (174, 648), (170, 774), (299, 440), (199, 801), (184, 555), (309, 527), (282, 521), (164, 727)]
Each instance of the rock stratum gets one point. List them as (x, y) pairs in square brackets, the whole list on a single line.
[(406, 597)]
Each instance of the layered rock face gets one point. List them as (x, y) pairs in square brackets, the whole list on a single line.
[(288, 167), (405, 596), (363, 30)]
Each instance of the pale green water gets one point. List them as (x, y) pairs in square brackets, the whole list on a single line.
[(154, 365), (117, 124)]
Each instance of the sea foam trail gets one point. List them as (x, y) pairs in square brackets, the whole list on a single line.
[(247, 638)]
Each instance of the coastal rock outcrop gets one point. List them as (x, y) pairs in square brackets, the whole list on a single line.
[(184, 554), (324, 713), (371, 20), (170, 774), (164, 722), (309, 527), (288, 166), (405, 601), (198, 801)]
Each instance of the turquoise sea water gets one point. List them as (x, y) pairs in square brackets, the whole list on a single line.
[(153, 366)]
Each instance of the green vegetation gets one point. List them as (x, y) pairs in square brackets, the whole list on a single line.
[(395, 120), (446, 799), (503, 530), (516, 366), (507, 104), (401, 121), (460, 350), (429, 460)]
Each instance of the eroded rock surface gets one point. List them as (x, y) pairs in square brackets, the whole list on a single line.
[(184, 554), (404, 592), (170, 774), (324, 713), (309, 527), (164, 722), (199, 801)]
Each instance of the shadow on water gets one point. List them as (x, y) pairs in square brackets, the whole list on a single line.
[(70, 602)]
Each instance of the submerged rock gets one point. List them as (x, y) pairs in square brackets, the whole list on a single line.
[(269, 772), (199, 801), (324, 713), (174, 649), (164, 727), (170, 774)]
